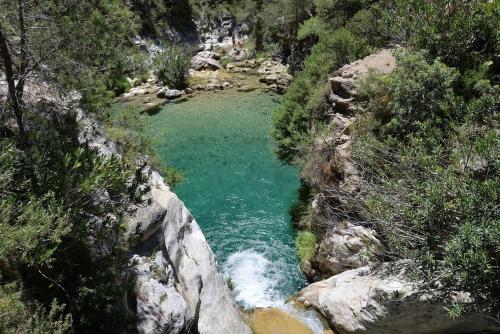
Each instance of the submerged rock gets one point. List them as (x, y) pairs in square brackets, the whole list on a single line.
[(246, 89), (380, 302), (275, 321)]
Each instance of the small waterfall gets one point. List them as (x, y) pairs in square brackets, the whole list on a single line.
[(255, 283)]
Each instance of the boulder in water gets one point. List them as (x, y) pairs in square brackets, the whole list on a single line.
[(275, 321), (169, 94)]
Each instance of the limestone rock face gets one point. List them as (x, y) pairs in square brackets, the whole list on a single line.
[(347, 247), (178, 288), (194, 264), (208, 54), (159, 306), (344, 244), (189, 265), (275, 75), (362, 301)]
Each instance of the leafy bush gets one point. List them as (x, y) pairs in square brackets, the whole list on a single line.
[(62, 206), (172, 176), (431, 176), (18, 317), (306, 245), (422, 94), (462, 33), (127, 128), (172, 66)]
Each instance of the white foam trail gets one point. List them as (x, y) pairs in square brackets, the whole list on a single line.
[(254, 283)]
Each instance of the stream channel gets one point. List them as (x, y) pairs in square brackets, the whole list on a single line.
[(237, 190)]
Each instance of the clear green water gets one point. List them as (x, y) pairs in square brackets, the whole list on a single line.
[(236, 189)]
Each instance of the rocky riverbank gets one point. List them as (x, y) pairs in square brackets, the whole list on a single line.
[(355, 290)]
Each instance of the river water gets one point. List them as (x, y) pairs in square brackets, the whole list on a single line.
[(236, 189)]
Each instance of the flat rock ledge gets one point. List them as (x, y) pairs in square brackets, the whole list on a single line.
[(376, 302)]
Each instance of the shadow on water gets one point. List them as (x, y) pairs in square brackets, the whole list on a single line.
[(153, 110)]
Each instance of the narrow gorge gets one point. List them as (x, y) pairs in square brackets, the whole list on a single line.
[(249, 166)]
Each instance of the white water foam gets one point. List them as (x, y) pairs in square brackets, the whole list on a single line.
[(254, 281)]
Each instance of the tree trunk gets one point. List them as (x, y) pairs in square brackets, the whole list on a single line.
[(9, 74), (24, 54)]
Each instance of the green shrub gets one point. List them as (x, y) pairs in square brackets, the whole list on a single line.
[(127, 127), (431, 168), (62, 209), (305, 244), (172, 176), (462, 33), (172, 66), (367, 23), (18, 317)]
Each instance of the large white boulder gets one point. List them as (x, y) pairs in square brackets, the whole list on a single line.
[(201, 63), (384, 302)]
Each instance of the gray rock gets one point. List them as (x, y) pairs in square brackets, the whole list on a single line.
[(208, 54), (347, 247), (93, 134), (190, 261), (200, 63), (362, 301), (160, 308), (203, 287), (169, 94)]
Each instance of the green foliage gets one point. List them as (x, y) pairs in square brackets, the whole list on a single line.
[(18, 317), (311, 27), (292, 119), (432, 173), (305, 244), (422, 95), (82, 45), (62, 205), (367, 23), (172, 176), (31, 233), (336, 13), (126, 127), (462, 33), (172, 66)]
